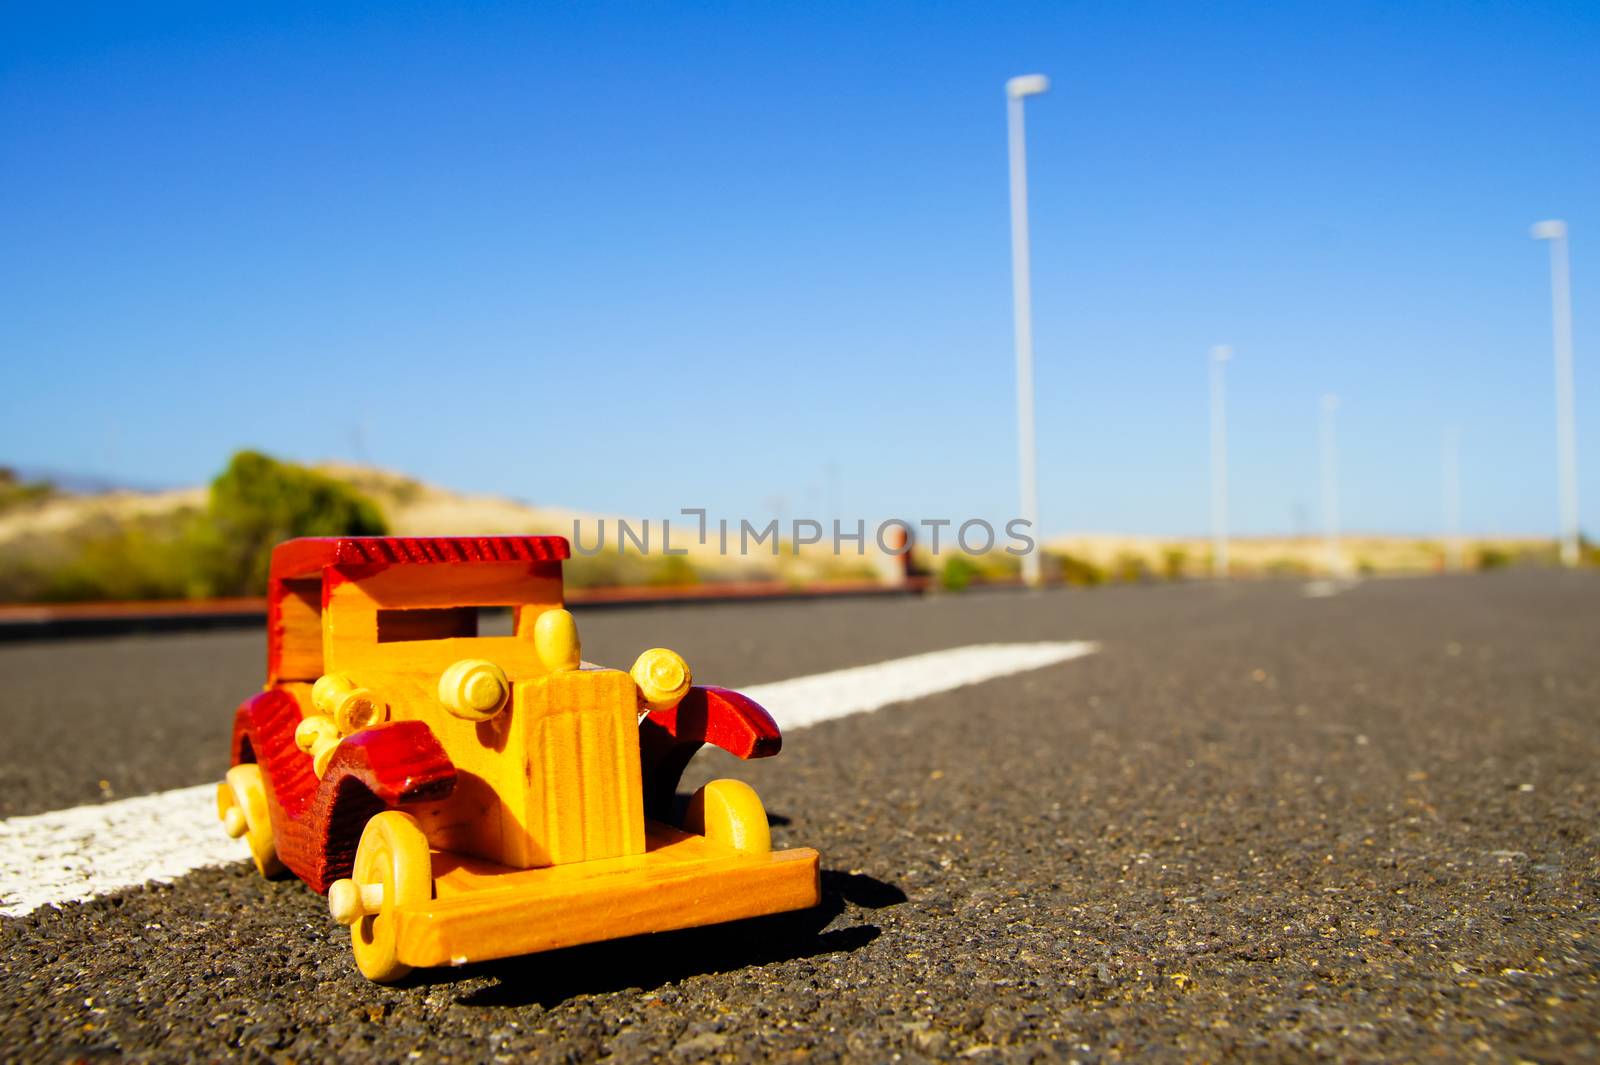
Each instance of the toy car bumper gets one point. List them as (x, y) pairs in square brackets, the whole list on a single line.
[(481, 911)]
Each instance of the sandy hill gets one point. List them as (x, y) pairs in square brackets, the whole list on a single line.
[(414, 508), (1287, 555)]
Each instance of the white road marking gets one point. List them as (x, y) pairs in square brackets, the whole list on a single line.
[(77, 854), (1322, 589), (807, 700)]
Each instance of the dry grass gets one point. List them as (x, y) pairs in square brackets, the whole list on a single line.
[(1292, 555), (49, 527), (416, 508)]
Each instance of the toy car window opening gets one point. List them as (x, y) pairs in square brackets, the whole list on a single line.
[(428, 623), (300, 611)]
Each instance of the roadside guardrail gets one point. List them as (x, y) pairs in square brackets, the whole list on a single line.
[(45, 621)]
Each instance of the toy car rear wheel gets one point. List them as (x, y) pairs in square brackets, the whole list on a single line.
[(242, 808), (393, 853), (730, 812)]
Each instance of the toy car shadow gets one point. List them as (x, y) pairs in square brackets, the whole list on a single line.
[(651, 961)]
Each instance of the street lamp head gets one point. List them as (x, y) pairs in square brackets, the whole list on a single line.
[(1221, 353), (1027, 85), (1551, 230)]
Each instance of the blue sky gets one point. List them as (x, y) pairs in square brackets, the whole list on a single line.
[(632, 258)]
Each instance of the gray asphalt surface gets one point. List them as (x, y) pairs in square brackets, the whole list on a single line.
[(1255, 826)]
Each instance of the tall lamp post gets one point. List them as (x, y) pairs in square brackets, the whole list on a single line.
[(1452, 498), (1220, 354), (1566, 422), (1330, 483), (1017, 90)]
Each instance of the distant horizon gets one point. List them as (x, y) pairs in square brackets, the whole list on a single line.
[(645, 256), (68, 480)]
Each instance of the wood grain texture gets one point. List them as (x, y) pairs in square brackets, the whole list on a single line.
[(481, 912), (553, 777), (485, 813), (299, 566), (294, 630), (576, 795), (307, 555), (317, 823), (353, 599)]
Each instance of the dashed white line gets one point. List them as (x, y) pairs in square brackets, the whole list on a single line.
[(1322, 589), (71, 855)]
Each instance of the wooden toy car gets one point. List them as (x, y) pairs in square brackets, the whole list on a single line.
[(462, 797)]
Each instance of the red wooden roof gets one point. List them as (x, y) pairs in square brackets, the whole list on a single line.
[(308, 555)]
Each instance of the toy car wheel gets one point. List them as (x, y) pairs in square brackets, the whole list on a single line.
[(394, 856), (730, 812), (242, 808)]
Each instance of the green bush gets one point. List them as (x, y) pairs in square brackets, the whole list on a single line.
[(1129, 568), (999, 566), (591, 571), (1076, 571), (1492, 558), (15, 492), (224, 549), (142, 558), (141, 561), (957, 573), (258, 502), (671, 571), (1174, 563), (611, 569)]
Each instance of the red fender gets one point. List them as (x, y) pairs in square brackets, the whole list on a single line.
[(317, 823), (669, 738)]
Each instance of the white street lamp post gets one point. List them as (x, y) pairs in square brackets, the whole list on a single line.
[(1566, 423), (1330, 484), (1219, 463), (1018, 89), (1452, 498)]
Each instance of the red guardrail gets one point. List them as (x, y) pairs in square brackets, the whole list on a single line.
[(45, 620)]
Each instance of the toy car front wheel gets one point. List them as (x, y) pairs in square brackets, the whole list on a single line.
[(242, 808), (393, 869), (730, 812)]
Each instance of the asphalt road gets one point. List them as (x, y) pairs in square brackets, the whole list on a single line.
[(1254, 826)]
